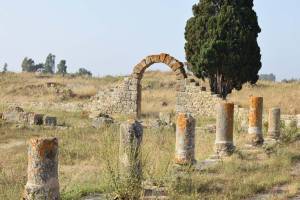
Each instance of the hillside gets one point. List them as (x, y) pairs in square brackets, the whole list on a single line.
[(158, 87)]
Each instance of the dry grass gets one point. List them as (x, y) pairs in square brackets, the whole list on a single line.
[(283, 95), (85, 152)]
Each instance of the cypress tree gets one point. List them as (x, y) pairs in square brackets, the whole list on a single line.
[(221, 44)]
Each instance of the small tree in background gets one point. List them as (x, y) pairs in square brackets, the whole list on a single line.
[(83, 72), (27, 65), (49, 66), (37, 67), (5, 68), (267, 77), (221, 44), (62, 67)]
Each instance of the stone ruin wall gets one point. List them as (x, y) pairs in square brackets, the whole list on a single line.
[(123, 99), (126, 98)]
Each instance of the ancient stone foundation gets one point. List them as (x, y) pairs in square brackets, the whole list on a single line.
[(42, 181), (224, 131), (185, 139), (131, 135), (274, 123), (255, 121)]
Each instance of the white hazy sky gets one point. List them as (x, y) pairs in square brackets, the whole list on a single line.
[(110, 37)]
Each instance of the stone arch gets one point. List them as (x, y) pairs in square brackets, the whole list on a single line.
[(173, 63), (176, 66)]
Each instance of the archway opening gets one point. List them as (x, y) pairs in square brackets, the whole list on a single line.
[(178, 72)]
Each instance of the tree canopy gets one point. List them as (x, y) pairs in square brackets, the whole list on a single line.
[(221, 44), (49, 66), (83, 72), (62, 67)]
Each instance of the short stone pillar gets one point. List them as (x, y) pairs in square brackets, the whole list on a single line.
[(274, 123), (131, 136), (224, 129), (185, 139), (255, 121), (298, 121), (42, 170)]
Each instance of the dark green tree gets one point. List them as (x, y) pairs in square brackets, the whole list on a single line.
[(27, 65), (62, 67), (221, 44), (49, 66), (83, 72), (37, 67), (4, 68)]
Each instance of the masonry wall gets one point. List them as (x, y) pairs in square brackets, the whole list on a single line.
[(124, 99), (121, 99), (194, 99)]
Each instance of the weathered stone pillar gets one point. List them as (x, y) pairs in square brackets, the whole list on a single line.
[(42, 183), (255, 121), (185, 139), (274, 123), (131, 136), (224, 129)]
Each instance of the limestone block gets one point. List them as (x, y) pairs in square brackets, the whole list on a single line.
[(50, 121), (102, 122), (35, 119)]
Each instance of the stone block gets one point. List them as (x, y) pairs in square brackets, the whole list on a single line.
[(35, 119), (50, 121), (102, 122)]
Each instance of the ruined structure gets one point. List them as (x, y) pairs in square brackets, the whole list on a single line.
[(255, 120), (16, 114), (224, 131), (131, 136), (185, 139), (126, 97), (274, 123), (42, 180)]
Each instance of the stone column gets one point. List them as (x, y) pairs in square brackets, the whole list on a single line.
[(42, 171), (224, 129), (255, 121), (274, 123), (131, 135), (185, 139)]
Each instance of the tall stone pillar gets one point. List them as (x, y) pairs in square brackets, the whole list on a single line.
[(274, 123), (185, 139), (42, 171), (131, 136), (224, 129), (255, 121)]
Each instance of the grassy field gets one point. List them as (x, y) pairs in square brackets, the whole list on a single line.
[(87, 155)]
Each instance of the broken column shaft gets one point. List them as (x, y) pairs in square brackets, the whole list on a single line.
[(274, 123), (42, 171), (255, 121), (224, 129), (185, 139), (131, 135)]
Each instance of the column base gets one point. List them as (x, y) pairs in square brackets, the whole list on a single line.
[(181, 161), (255, 139), (224, 149), (36, 192), (274, 135)]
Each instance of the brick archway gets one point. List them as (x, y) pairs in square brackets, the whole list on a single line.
[(176, 66)]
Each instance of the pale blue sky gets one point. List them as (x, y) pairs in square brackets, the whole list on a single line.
[(110, 37)]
